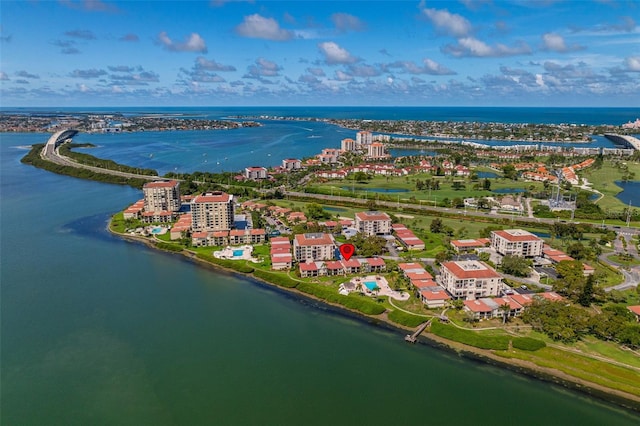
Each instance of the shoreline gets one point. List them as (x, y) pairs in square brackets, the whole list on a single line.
[(612, 396)]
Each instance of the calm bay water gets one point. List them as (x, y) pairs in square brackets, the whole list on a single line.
[(96, 330)]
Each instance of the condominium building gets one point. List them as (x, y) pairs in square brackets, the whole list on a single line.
[(212, 211), (373, 223), (161, 195), (348, 145), (291, 164), (314, 246), (376, 150), (255, 172), (470, 279), (516, 242), (364, 138)]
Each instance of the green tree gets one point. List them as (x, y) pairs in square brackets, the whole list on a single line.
[(505, 310), (572, 280), (315, 211), (486, 184), (515, 265), (509, 172), (436, 226), (586, 295)]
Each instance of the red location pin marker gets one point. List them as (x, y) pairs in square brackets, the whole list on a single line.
[(347, 250)]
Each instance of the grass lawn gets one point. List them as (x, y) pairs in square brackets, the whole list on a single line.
[(407, 186), (623, 260), (587, 369), (603, 179)]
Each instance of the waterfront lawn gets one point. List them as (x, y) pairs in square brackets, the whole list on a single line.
[(603, 179), (118, 223), (588, 369)]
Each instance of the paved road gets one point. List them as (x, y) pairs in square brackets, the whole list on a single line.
[(51, 152), (432, 209)]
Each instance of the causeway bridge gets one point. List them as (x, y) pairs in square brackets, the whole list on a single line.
[(624, 140), (51, 153), (57, 139)]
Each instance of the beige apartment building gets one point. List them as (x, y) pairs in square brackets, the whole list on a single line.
[(373, 223), (314, 246), (161, 196), (212, 211), (470, 279), (516, 242)]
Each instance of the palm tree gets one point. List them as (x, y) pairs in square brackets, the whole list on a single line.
[(505, 308)]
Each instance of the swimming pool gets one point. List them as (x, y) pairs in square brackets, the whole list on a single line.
[(238, 253), (157, 230), (371, 285)]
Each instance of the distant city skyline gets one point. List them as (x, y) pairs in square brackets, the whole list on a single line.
[(320, 53)]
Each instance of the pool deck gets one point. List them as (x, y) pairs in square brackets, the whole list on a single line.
[(383, 287)]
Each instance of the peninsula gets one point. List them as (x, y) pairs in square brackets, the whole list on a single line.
[(487, 279)]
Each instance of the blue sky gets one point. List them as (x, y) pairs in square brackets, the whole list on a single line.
[(429, 53)]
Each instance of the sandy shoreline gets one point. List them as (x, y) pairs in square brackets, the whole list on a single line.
[(619, 398)]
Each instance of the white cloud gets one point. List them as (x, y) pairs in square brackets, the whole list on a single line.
[(334, 54), (205, 64), (263, 68), (91, 73), (472, 47), (556, 43), (345, 22), (342, 76), (430, 67), (256, 26), (449, 23), (3, 76), (632, 63), (193, 43)]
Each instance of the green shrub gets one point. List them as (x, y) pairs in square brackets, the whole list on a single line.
[(405, 319), (528, 343), (276, 279), (169, 247), (469, 337), (357, 303)]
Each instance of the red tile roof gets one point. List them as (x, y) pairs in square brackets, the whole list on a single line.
[(372, 216), (477, 306), (514, 235), (215, 197), (375, 261), (319, 240), (635, 309), (435, 295), (161, 184), (483, 272)]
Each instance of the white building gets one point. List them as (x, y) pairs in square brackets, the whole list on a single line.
[(364, 138), (314, 246), (516, 242), (255, 172), (291, 164), (376, 150), (212, 211), (348, 145), (470, 279), (373, 223), (161, 196)]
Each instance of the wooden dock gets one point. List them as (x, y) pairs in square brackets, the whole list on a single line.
[(412, 338)]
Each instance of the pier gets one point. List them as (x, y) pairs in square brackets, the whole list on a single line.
[(624, 140), (412, 338)]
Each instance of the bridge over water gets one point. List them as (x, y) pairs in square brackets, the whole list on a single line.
[(624, 140), (56, 139)]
